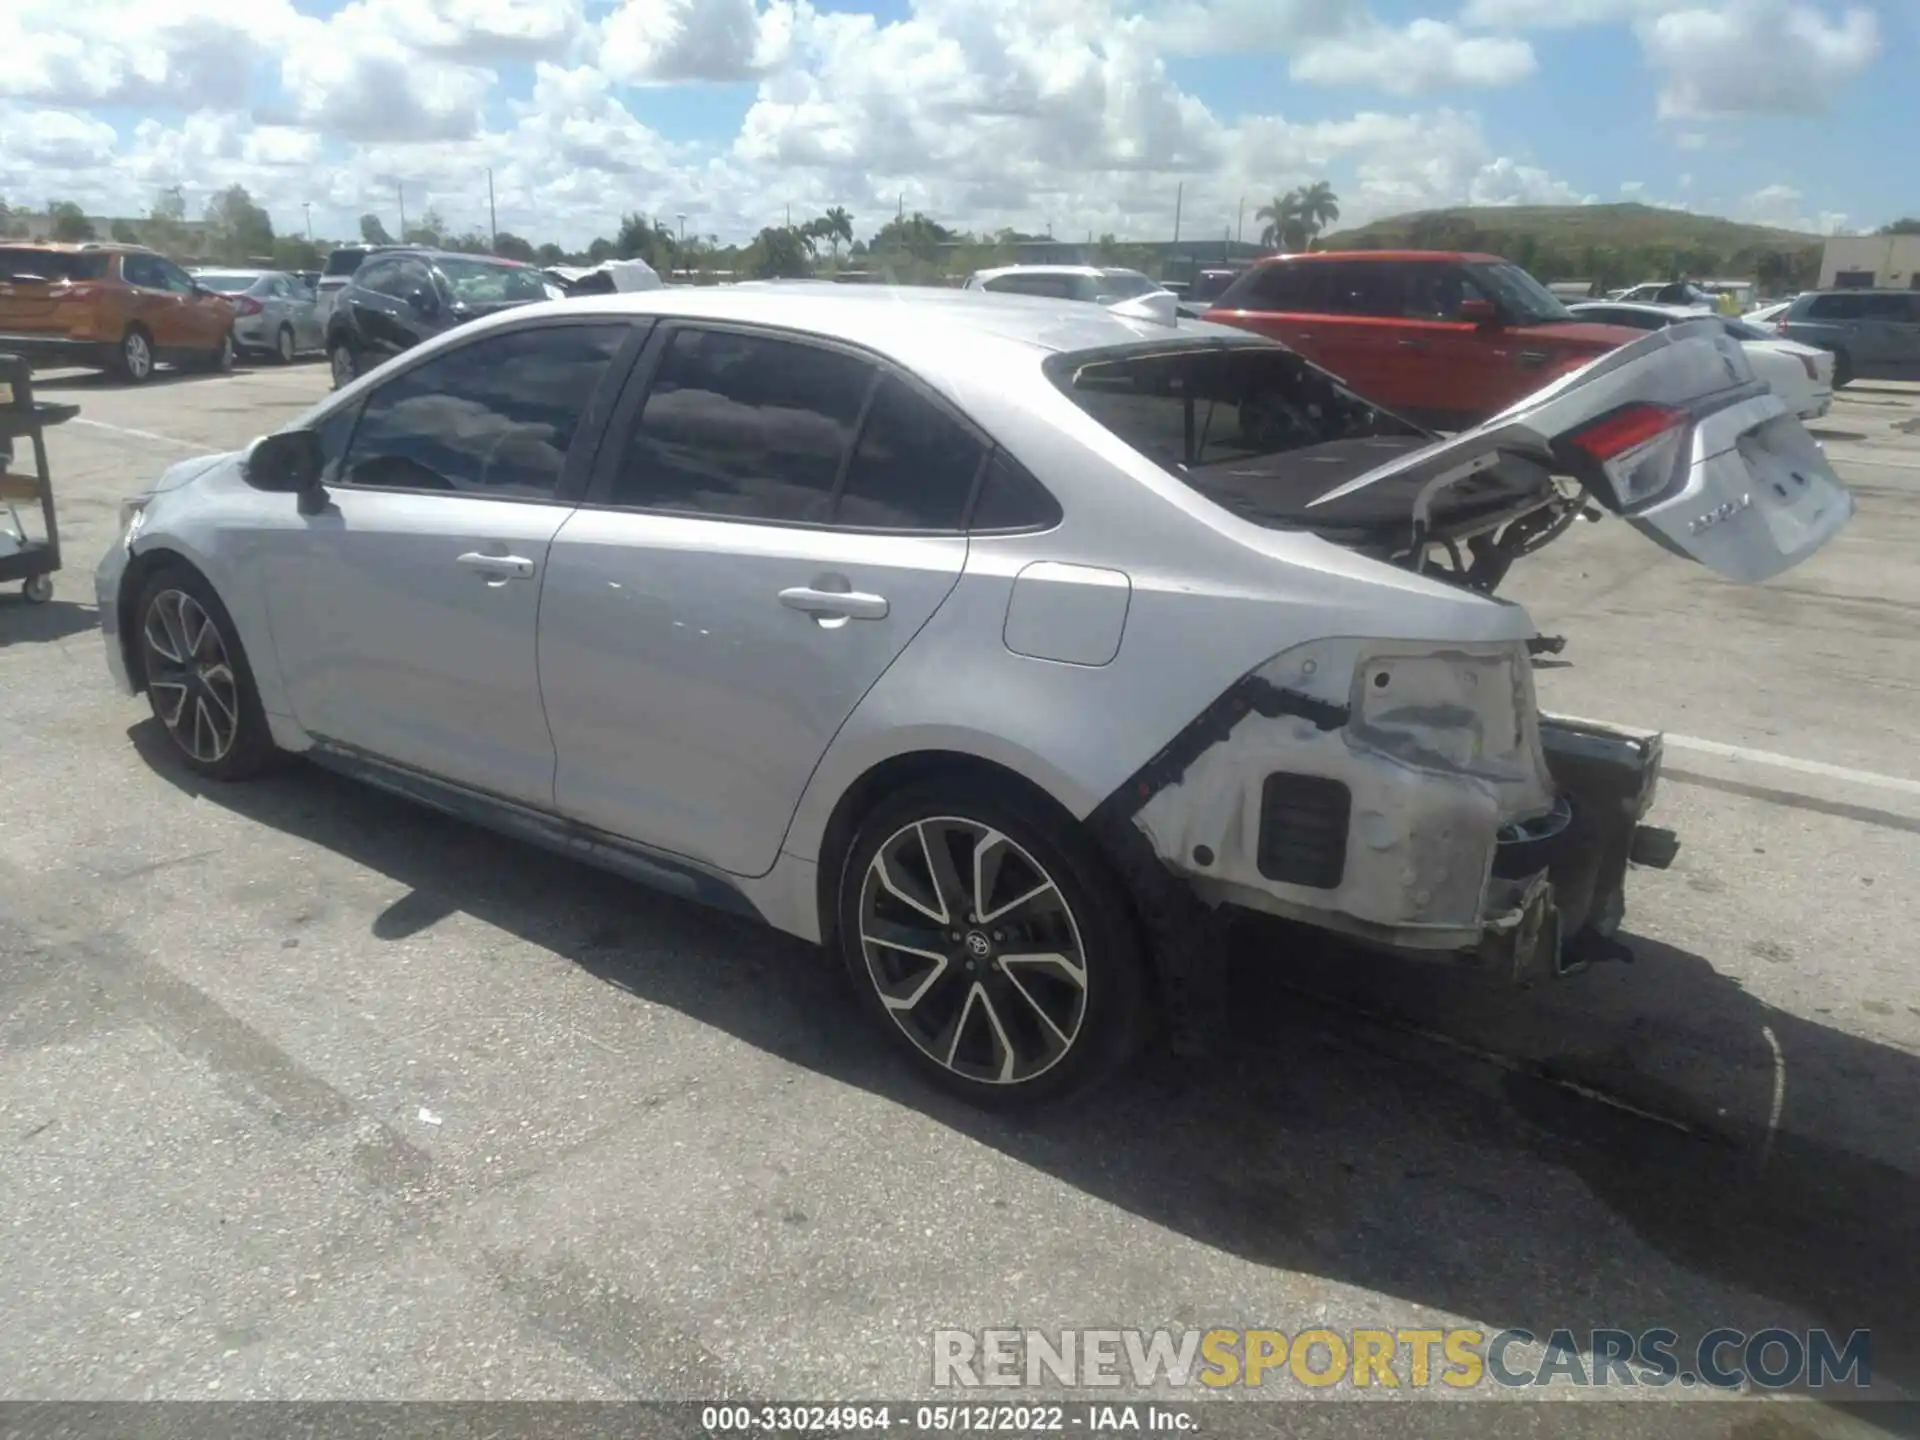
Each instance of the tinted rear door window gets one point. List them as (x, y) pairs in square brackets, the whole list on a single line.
[(914, 467), (1298, 288), (744, 426)]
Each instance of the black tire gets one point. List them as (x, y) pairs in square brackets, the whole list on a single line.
[(967, 1000), (133, 357), (284, 349), (1842, 369), (189, 674), (343, 360)]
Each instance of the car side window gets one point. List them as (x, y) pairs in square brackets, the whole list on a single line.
[(494, 418), (913, 468), (173, 278), (1885, 307), (279, 288), (1011, 499), (1364, 288), (744, 426), (143, 271), (1279, 287), (1434, 292), (375, 276), (409, 276), (1834, 307)]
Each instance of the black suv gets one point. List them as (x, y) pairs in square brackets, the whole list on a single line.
[(397, 298)]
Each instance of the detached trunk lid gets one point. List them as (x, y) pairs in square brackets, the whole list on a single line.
[(1674, 434)]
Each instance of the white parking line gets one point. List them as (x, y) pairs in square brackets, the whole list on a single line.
[(1874, 780), (143, 435)]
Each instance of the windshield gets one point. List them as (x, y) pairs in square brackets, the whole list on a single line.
[(1124, 285), (1523, 299), (20, 262), (485, 282), (227, 283)]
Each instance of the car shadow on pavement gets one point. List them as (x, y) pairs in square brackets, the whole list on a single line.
[(1450, 1152), (22, 623)]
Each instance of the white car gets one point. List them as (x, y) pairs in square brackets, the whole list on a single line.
[(997, 644), (1801, 375), (1093, 284), (1683, 294)]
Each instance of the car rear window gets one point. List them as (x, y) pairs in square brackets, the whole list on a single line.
[(345, 262), (225, 282), (22, 262), (1217, 406)]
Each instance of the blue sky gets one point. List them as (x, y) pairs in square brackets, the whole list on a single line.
[(1087, 114)]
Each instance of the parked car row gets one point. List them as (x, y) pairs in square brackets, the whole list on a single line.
[(872, 615)]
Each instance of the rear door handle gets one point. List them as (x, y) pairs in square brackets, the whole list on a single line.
[(848, 604), (1413, 345), (1531, 358), (504, 567)]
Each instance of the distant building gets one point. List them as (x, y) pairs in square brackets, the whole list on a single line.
[(1871, 262)]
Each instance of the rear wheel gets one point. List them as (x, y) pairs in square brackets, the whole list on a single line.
[(219, 360), (198, 682), (1842, 369), (283, 345), (133, 358), (988, 935)]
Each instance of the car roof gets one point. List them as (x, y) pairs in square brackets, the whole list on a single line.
[(935, 332), (1671, 312), (1320, 255), (79, 247), (1093, 270)]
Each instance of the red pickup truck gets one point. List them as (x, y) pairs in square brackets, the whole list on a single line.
[(1446, 339)]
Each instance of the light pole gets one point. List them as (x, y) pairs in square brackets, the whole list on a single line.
[(307, 206), (680, 254)]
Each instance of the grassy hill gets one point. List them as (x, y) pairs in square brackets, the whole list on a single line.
[(1613, 244)]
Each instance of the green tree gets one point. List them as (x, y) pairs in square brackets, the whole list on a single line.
[(70, 223), (1319, 207), (838, 229), (641, 239), (509, 246), (1906, 225), (238, 229), (125, 232), (778, 252), (295, 252), (914, 235), (372, 231), (600, 249), (427, 230), (550, 254)]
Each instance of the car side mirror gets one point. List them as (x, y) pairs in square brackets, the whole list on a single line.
[(288, 463), (1480, 312), (424, 302)]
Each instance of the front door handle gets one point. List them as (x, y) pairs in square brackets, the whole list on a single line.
[(846, 604), (1413, 345), (1531, 358), (502, 567)]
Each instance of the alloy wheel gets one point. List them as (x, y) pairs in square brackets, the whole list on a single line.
[(284, 344), (973, 950), (137, 354), (190, 677)]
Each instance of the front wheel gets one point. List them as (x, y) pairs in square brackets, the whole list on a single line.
[(199, 684), (989, 936)]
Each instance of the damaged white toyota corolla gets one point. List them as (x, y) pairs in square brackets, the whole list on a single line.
[(996, 643)]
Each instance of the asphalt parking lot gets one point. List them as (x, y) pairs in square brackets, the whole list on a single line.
[(305, 1093)]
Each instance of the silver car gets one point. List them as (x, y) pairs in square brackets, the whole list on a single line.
[(1000, 645), (273, 311)]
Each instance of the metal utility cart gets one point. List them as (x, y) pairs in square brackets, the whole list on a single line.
[(32, 562)]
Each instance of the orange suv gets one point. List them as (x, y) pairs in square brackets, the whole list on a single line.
[(1446, 339), (109, 307)]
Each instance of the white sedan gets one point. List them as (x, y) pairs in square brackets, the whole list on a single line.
[(1801, 375)]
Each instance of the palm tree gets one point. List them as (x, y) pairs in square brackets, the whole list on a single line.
[(1282, 221), (1318, 207), (837, 225)]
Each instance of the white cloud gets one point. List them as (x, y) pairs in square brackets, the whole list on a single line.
[(674, 41), (1721, 57), (1427, 55), (1756, 57), (1785, 207), (36, 141), (185, 54)]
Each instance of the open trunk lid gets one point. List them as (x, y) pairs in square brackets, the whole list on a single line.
[(1674, 434)]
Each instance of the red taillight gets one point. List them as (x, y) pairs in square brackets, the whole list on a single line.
[(250, 306), (1626, 429)]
